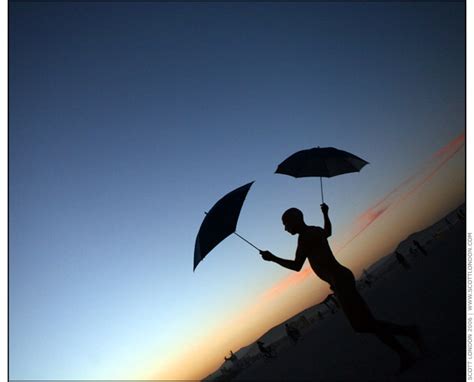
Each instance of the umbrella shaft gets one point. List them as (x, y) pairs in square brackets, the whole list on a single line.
[(248, 242), (321, 181)]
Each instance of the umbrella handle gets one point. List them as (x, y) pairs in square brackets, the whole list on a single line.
[(248, 242), (321, 181)]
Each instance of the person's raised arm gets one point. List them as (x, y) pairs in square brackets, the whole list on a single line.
[(294, 265), (327, 222)]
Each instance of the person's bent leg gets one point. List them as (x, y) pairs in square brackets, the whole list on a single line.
[(362, 321), (387, 338)]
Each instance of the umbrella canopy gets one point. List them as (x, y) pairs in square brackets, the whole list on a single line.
[(320, 161), (220, 222)]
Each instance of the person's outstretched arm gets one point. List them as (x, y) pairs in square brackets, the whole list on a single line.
[(327, 222), (294, 265)]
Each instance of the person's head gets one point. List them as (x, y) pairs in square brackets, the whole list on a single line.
[(293, 220)]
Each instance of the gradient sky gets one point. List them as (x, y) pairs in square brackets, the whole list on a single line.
[(128, 120)]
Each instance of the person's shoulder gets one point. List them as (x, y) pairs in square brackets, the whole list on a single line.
[(311, 233), (314, 230)]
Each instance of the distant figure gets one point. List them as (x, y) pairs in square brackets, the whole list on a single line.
[(233, 358), (293, 333), (368, 278), (461, 215), (448, 223), (330, 308), (266, 350), (327, 301), (420, 248), (402, 261), (333, 298), (226, 371), (367, 275), (313, 245)]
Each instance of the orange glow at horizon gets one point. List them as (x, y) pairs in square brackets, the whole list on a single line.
[(445, 154), (287, 282), (451, 147), (392, 199)]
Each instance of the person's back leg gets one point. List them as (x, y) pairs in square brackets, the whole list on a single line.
[(362, 321)]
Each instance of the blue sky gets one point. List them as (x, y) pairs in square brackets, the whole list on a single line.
[(128, 121)]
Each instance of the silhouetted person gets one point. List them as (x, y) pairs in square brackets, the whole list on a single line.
[(333, 298), (402, 261), (368, 278), (232, 358), (367, 275), (330, 308), (313, 245), (326, 302), (266, 351), (448, 223), (420, 248), (293, 333)]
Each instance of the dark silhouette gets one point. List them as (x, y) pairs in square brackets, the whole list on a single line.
[(461, 215), (330, 307), (320, 161), (333, 298), (448, 223), (293, 333), (420, 248), (267, 351), (313, 245), (220, 222), (402, 261), (226, 371), (233, 358), (367, 275), (320, 316), (330, 302), (368, 278)]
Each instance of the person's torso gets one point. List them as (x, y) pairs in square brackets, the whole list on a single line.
[(317, 250)]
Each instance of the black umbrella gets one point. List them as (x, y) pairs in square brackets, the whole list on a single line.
[(322, 162), (220, 222)]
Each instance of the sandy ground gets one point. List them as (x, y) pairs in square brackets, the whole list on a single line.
[(431, 294)]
